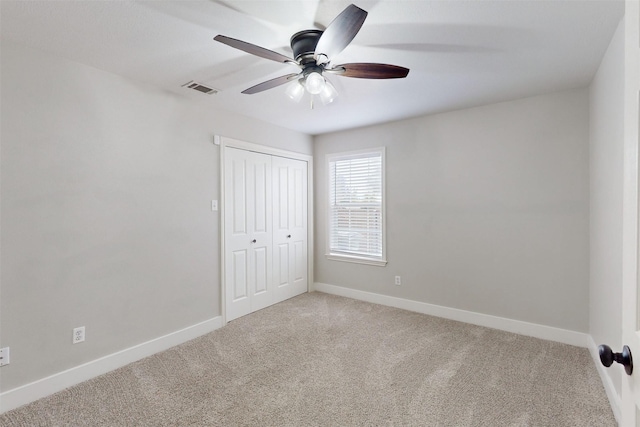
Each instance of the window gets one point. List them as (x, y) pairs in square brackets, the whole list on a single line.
[(356, 207)]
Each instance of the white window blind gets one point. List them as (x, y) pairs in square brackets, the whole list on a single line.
[(356, 205)]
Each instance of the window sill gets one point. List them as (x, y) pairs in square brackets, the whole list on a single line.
[(357, 260)]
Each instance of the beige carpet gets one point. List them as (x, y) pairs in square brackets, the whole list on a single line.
[(322, 360)]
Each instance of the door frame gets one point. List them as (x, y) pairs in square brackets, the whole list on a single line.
[(226, 142)]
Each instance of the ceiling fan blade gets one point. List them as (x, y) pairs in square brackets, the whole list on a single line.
[(253, 49), (270, 84), (341, 31), (365, 70)]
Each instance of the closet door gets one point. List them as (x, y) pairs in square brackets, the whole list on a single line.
[(248, 232), (289, 227)]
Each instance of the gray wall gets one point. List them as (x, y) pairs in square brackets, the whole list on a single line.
[(606, 130), (106, 217), (487, 210)]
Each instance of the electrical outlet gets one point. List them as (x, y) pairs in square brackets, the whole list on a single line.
[(78, 335), (4, 356), (398, 281)]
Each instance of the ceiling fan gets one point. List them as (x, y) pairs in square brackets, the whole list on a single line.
[(313, 51)]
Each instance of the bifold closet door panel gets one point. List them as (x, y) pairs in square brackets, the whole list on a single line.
[(248, 232), (261, 246), (289, 227)]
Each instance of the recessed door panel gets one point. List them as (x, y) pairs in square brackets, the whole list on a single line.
[(261, 271), (263, 293), (239, 196), (239, 279), (283, 264), (299, 261), (299, 201), (283, 202), (260, 197)]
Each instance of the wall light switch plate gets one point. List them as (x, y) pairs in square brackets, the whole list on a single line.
[(4, 356), (214, 205)]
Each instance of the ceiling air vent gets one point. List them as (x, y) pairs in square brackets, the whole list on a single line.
[(200, 88)]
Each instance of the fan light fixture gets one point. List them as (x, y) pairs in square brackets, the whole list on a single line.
[(315, 84)]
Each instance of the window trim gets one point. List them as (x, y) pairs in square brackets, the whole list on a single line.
[(338, 256)]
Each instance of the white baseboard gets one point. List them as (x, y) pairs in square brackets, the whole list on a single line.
[(516, 326), (613, 396), (46, 386)]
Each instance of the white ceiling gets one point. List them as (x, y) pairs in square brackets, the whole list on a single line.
[(461, 53)]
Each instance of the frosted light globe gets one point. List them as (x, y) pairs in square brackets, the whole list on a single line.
[(314, 83)]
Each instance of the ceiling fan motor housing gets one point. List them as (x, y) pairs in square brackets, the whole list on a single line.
[(303, 44)]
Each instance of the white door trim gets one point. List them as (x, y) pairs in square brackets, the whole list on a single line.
[(630, 396), (249, 146)]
